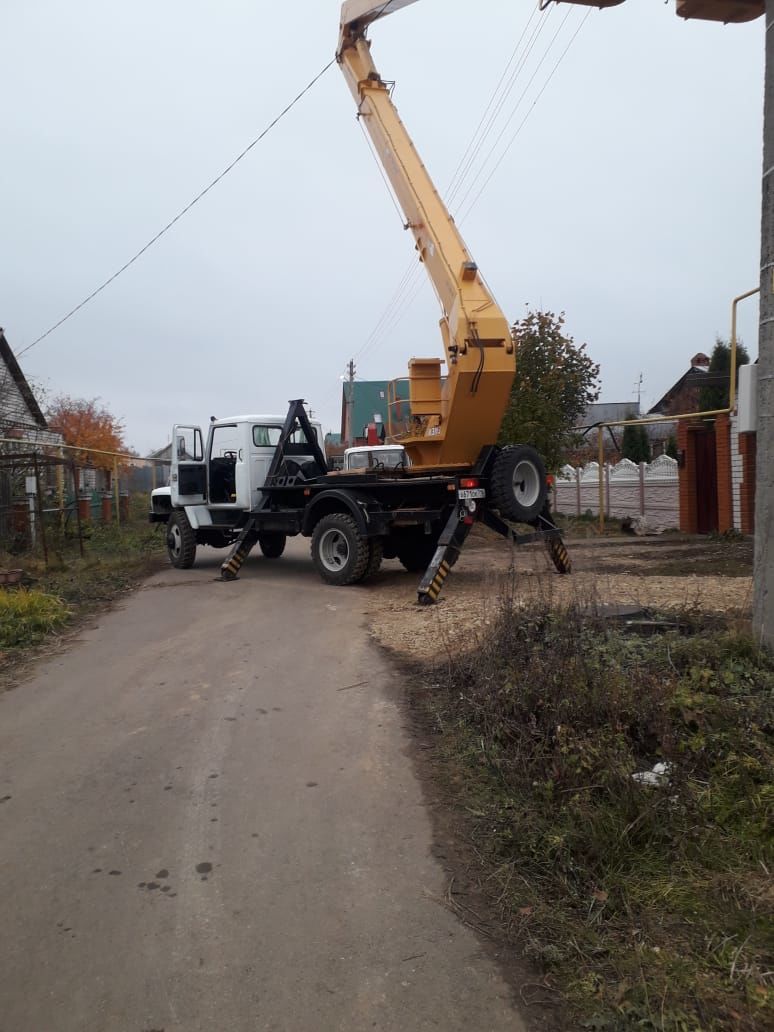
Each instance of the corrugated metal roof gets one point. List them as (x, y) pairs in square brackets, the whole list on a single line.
[(608, 412)]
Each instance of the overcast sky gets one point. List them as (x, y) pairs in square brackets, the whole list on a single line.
[(630, 198)]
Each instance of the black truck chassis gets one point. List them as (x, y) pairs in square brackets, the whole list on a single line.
[(429, 517)]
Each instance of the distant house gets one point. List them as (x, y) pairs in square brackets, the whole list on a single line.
[(587, 427), (716, 455), (608, 412), (365, 414), (683, 396), (20, 415)]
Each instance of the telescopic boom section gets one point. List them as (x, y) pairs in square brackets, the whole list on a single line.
[(452, 419)]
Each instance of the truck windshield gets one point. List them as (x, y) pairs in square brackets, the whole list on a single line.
[(395, 458), (268, 436)]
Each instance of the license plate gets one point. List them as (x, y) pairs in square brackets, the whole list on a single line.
[(471, 492)]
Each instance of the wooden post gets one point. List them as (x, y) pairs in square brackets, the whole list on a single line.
[(577, 492), (116, 492), (642, 488), (41, 519), (60, 489), (601, 461), (77, 495)]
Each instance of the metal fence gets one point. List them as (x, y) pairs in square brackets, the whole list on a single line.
[(51, 496)]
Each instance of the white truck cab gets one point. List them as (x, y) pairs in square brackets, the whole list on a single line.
[(215, 482), (376, 457)]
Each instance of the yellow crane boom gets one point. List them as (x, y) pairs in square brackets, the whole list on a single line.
[(454, 417)]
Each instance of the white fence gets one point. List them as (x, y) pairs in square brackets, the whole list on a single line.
[(650, 490)]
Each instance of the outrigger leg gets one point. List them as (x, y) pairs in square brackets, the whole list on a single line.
[(459, 526), (246, 541), (545, 530), (450, 543)]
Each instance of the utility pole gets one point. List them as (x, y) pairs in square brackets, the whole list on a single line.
[(638, 391), (763, 605), (350, 402)]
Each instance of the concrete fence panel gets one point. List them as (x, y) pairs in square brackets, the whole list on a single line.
[(649, 490)]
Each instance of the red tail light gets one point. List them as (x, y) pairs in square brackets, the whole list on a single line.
[(468, 483)]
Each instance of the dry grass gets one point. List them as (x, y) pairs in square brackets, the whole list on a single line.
[(647, 907)]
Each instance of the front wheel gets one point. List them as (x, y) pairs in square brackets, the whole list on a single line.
[(181, 541), (339, 551), (519, 487), (272, 544)]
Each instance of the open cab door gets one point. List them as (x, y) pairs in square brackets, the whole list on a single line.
[(188, 479)]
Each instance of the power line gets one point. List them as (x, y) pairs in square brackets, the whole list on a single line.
[(523, 122), (184, 211), (515, 108), (497, 101)]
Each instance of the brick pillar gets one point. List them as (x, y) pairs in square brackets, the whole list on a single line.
[(747, 449), (686, 449), (107, 508), (723, 457), (84, 507)]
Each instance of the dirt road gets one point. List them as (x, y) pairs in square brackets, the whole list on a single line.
[(209, 821)]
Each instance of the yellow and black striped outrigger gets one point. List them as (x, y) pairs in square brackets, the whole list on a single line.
[(459, 526)]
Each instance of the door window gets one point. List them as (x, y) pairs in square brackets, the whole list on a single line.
[(269, 436), (224, 451), (189, 444)]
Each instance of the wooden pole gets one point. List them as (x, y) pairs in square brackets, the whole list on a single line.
[(116, 492), (77, 493), (41, 519), (601, 460), (60, 490)]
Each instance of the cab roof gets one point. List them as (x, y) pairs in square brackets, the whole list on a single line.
[(278, 420)]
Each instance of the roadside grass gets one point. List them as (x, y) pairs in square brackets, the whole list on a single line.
[(648, 906), (27, 617), (71, 586)]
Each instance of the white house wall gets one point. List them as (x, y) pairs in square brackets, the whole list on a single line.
[(737, 473)]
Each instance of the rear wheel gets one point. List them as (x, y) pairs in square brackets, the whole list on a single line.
[(181, 541), (518, 486), (339, 551), (272, 544)]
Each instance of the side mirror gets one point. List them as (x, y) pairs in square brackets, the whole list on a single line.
[(181, 449)]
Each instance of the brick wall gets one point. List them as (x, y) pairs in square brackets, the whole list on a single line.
[(747, 451), (737, 472), (723, 457)]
